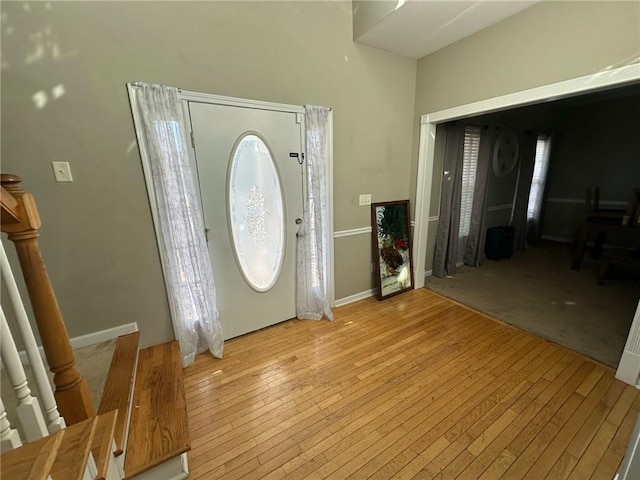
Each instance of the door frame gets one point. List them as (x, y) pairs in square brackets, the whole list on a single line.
[(185, 97), (606, 79)]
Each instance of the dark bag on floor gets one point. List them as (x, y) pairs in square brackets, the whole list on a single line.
[(499, 243)]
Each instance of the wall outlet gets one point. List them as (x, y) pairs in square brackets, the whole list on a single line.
[(365, 200), (62, 171)]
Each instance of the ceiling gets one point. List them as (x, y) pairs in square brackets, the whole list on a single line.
[(415, 28)]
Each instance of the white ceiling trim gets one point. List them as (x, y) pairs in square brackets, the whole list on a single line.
[(569, 88)]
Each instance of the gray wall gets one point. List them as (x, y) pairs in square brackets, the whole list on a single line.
[(595, 145), (97, 236), (547, 43)]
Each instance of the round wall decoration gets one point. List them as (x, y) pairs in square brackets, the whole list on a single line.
[(505, 153)]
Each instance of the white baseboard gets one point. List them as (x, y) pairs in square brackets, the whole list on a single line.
[(354, 298), (629, 369), (103, 335), (428, 273), (557, 239), (589, 244), (90, 339)]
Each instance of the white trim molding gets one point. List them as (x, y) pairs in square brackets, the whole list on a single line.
[(556, 239), (238, 102), (91, 339), (352, 232), (497, 208), (629, 367), (547, 93), (355, 297), (365, 230), (617, 203)]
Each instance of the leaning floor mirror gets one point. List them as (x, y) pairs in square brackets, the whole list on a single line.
[(392, 247)]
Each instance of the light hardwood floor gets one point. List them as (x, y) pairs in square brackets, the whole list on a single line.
[(416, 387)]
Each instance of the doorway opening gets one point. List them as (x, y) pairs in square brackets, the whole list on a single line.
[(424, 225)]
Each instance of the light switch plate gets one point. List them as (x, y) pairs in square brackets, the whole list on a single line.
[(365, 200), (62, 171)]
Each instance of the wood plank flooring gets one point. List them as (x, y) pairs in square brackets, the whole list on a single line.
[(414, 387)]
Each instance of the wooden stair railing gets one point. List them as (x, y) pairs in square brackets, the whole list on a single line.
[(20, 220), (119, 384)]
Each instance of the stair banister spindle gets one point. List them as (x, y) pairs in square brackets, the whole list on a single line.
[(72, 392), (28, 408), (9, 437), (54, 421)]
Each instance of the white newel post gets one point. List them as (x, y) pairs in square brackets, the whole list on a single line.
[(9, 437), (28, 408), (54, 421)]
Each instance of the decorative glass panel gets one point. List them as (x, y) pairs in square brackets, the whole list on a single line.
[(256, 213)]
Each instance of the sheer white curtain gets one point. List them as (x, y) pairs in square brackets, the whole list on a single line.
[(183, 247), (536, 193), (312, 301)]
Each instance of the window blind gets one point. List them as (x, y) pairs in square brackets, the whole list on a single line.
[(469, 166)]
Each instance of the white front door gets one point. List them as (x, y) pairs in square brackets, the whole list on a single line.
[(251, 185)]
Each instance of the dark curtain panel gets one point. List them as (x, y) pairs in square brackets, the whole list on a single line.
[(525, 175), (444, 261), (475, 240)]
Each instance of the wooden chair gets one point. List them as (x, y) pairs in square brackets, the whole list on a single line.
[(628, 258), (595, 213)]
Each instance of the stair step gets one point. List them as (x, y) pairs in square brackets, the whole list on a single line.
[(64, 454), (118, 388), (73, 455), (33, 460), (158, 431), (102, 448), (43, 463)]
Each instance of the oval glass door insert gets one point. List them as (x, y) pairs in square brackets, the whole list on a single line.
[(256, 212)]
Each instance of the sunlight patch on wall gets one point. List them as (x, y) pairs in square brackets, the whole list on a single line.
[(43, 41), (41, 99), (58, 91), (29, 34)]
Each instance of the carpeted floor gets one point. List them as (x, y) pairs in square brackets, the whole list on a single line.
[(93, 363), (537, 291)]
